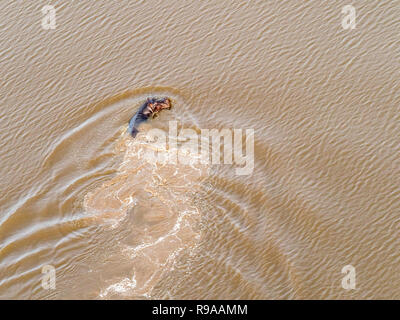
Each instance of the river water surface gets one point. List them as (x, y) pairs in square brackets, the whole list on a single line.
[(77, 194)]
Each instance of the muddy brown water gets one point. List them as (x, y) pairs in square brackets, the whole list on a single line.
[(76, 193)]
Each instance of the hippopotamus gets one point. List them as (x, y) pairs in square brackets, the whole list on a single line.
[(150, 108)]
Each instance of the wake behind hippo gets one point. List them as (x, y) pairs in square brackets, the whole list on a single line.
[(150, 108)]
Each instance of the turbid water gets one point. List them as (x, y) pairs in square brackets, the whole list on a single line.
[(77, 194)]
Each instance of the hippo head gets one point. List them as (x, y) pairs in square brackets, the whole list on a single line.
[(159, 104)]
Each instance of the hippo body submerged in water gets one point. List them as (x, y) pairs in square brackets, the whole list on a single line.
[(149, 109)]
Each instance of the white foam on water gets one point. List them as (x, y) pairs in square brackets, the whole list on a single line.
[(158, 198)]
